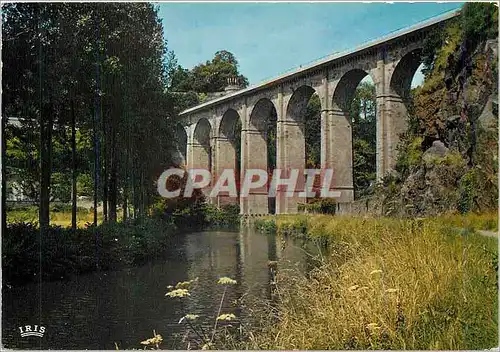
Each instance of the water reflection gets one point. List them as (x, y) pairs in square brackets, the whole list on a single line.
[(96, 310)]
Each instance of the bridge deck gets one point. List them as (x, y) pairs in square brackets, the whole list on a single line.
[(327, 60)]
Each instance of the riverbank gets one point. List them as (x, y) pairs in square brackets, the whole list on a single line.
[(62, 253), (388, 284)]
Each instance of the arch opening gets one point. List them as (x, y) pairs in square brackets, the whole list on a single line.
[(354, 104), (346, 89), (301, 140), (363, 119), (228, 125), (229, 152), (404, 73), (262, 147), (202, 151), (403, 88), (297, 106)]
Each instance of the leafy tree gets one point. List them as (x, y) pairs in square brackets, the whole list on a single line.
[(479, 22), (363, 120), (54, 56), (213, 75), (313, 132), (210, 77)]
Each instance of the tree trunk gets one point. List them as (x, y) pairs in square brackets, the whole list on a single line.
[(364, 108), (97, 111), (96, 164), (125, 204), (46, 123), (142, 200), (105, 171), (73, 162), (113, 184), (4, 174), (134, 193), (126, 181), (45, 144)]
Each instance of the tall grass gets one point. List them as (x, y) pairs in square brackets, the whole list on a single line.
[(473, 221), (57, 217), (387, 284)]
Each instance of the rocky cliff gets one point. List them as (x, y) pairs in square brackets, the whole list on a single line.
[(448, 159)]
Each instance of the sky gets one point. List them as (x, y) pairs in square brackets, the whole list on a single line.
[(269, 39)]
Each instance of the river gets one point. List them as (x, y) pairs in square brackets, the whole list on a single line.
[(97, 310)]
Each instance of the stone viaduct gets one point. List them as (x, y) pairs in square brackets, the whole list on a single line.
[(208, 129)]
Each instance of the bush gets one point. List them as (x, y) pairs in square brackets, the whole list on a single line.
[(468, 187), (479, 22), (266, 225), (64, 252), (319, 206), (409, 155), (227, 215)]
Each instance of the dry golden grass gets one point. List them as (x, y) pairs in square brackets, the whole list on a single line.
[(388, 284), (56, 218), (485, 221)]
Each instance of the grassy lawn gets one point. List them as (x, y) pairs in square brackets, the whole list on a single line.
[(57, 218), (388, 284)]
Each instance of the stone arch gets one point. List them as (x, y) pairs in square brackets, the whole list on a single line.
[(298, 102), (258, 156), (227, 152), (346, 88), (292, 147), (403, 73), (339, 143), (228, 124), (262, 112), (392, 115), (202, 152), (181, 139)]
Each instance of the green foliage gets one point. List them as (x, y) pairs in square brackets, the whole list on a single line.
[(364, 166), (183, 212), (213, 75), (22, 153), (193, 212), (479, 22), (84, 185), (452, 38), (225, 216), (319, 206), (363, 121), (65, 253), (61, 187), (266, 225), (313, 133), (432, 43), (63, 45), (409, 155), (468, 188), (210, 77)]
